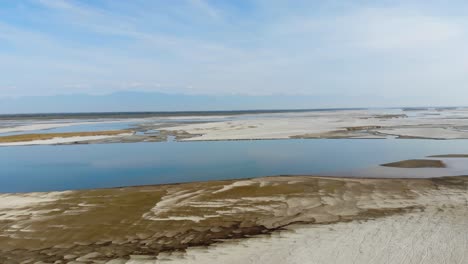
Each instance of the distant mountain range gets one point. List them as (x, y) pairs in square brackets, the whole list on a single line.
[(154, 101)]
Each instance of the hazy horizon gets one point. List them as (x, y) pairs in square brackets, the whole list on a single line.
[(137, 101)]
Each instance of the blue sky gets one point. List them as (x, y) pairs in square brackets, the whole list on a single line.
[(260, 47)]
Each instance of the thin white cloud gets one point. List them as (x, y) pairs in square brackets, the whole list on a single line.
[(395, 29), (58, 4), (108, 23), (208, 9)]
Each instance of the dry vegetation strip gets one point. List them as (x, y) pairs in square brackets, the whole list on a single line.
[(417, 163), (44, 136), (450, 156)]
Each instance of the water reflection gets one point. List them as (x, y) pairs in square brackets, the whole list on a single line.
[(46, 168)]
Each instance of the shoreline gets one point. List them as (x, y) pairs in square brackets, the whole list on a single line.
[(324, 177), (60, 138), (447, 165), (128, 138)]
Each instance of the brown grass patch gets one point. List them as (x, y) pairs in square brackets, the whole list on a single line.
[(450, 156), (44, 136), (416, 163)]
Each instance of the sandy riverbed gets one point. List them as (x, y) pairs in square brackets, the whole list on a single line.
[(430, 124), (44, 126), (63, 140), (371, 124), (96, 226), (431, 236)]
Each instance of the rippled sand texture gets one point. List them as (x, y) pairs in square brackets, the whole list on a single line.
[(430, 236), (120, 224)]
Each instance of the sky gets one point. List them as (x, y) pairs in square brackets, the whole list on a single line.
[(366, 49)]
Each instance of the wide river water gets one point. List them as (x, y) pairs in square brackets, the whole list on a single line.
[(69, 167)]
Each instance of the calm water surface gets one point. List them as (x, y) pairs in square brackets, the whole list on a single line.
[(47, 168)]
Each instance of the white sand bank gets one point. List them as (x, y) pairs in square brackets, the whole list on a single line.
[(17, 206), (43, 126), (432, 236), (443, 124), (66, 123), (61, 140)]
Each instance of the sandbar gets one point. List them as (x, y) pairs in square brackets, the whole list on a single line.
[(416, 163), (147, 223), (60, 138)]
